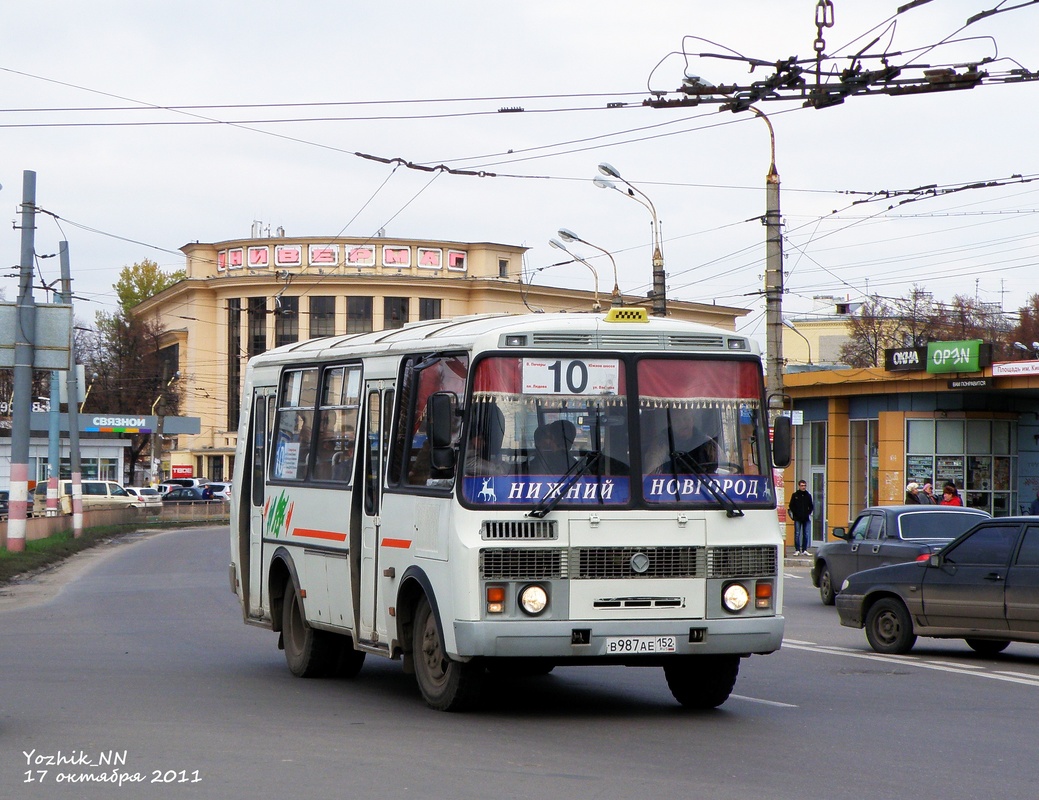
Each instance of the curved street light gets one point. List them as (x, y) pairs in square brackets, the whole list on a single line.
[(790, 325), (568, 235), (595, 275), (659, 288)]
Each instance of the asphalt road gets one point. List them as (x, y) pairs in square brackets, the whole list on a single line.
[(136, 654)]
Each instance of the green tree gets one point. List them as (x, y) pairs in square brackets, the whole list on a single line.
[(142, 280)]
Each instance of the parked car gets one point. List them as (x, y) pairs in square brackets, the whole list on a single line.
[(184, 494), (173, 483), (221, 491), (5, 499), (883, 535), (97, 496), (146, 497), (983, 588)]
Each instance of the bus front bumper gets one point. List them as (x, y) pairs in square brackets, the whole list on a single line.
[(598, 639)]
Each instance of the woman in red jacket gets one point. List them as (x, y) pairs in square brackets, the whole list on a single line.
[(950, 497)]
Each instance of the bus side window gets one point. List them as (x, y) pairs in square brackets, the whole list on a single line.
[(337, 432), (295, 420), (422, 378)]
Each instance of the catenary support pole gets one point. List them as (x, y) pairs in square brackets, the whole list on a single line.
[(24, 336), (73, 394)]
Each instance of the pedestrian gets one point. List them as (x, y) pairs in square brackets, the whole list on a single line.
[(950, 495), (207, 492), (1034, 508), (912, 493), (801, 507), (927, 497)]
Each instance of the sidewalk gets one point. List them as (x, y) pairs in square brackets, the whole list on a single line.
[(790, 560)]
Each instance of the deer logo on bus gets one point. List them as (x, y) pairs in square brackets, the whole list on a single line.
[(487, 492)]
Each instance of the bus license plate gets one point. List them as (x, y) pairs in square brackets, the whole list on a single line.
[(619, 645)]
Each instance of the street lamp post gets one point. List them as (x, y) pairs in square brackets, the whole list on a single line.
[(568, 235), (659, 298), (790, 325), (157, 433), (595, 275)]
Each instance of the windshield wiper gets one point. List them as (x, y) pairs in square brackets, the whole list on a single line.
[(569, 478), (679, 458)]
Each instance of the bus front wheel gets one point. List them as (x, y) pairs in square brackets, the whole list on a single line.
[(445, 684), (702, 682), (307, 651)]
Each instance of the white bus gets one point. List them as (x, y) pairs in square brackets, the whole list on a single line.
[(493, 495)]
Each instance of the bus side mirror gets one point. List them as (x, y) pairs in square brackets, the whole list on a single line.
[(440, 426), (781, 449)]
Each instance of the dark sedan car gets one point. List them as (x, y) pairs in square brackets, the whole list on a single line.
[(185, 494), (884, 535), (983, 587)]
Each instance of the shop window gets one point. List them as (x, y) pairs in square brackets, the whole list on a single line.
[(979, 436), (949, 436), (920, 436)]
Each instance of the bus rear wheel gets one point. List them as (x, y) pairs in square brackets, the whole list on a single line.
[(308, 652), (702, 682), (446, 685)]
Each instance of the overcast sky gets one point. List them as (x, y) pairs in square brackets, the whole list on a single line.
[(424, 82)]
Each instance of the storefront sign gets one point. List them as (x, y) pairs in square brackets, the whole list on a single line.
[(1016, 368), (905, 359), (971, 383), (954, 356), (182, 471)]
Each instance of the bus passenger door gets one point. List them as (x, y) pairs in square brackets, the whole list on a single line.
[(257, 592), (378, 408)]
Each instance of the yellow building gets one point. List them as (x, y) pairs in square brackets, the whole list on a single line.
[(244, 296)]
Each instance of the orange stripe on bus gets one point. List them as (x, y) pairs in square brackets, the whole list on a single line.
[(313, 533), (403, 544)]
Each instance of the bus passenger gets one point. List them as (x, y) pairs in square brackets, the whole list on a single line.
[(552, 448)]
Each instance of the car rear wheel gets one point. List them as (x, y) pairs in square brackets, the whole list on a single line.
[(988, 647), (826, 591), (889, 628)]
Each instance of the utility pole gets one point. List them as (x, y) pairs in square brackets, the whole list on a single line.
[(773, 273), (24, 336), (73, 396)]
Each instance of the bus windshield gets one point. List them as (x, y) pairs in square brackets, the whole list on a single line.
[(581, 431)]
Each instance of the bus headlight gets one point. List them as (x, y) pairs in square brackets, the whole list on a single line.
[(533, 599), (735, 597)]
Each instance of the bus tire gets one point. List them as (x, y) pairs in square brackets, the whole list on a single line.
[(308, 652), (446, 685), (348, 660), (702, 682)]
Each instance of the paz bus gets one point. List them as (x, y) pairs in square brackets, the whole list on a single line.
[(495, 495)]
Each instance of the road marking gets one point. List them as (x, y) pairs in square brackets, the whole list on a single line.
[(909, 661), (956, 665), (775, 703)]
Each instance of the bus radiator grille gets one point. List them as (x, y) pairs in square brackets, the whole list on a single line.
[(521, 564), (637, 562), (741, 562), (519, 530)]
